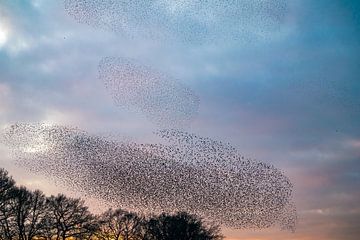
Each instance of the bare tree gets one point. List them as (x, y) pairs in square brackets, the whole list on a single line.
[(7, 221), (48, 229), (26, 210), (6, 185), (181, 226), (27, 215), (20, 204), (36, 213), (71, 218), (120, 225)]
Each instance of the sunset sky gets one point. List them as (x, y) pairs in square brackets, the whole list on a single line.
[(287, 95)]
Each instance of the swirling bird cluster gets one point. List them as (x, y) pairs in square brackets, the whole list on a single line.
[(194, 21), (190, 173), (162, 99)]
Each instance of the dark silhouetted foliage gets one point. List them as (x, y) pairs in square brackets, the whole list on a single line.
[(30, 215), (121, 225), (180, 226)]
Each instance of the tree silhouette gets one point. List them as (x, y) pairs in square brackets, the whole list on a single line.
[(70, 217), (180, 226), (120, 225), (19, 205), (35, 213), (30, 215), (6, 185), (25, 212), (48, 229), (7, 222)]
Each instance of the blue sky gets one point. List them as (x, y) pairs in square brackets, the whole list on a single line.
[(286, 93)]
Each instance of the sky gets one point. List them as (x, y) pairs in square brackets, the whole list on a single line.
[(281, 86)]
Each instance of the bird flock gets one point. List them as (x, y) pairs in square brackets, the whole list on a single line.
[(189, 173), (192, 21), (163, 100)]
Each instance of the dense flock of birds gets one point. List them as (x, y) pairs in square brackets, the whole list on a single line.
[(189, 173), (163, 100), (194, 21)]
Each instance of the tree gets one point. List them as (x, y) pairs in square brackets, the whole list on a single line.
[(70, 217), (7, 187), (48, 229), (120, 225), (180, 226), (34, 215), (24, 212), (29, 215), (20, 205)]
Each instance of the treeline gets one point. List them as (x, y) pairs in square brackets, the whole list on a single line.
[(30, 215)]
